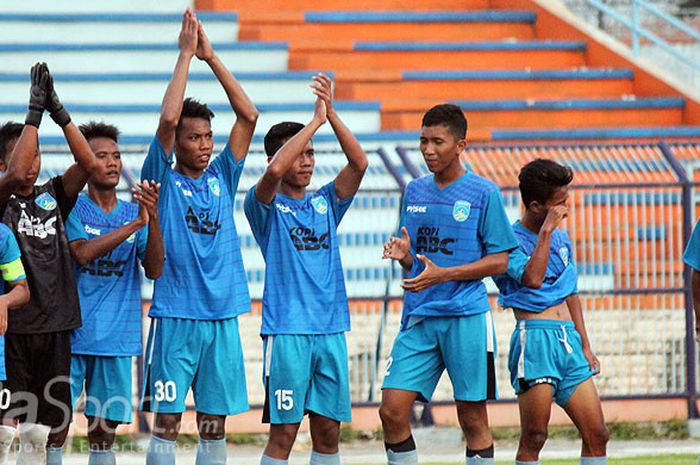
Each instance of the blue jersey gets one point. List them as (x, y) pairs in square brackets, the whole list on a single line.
[(453, 226), (12, 271), (203, 276), (109, 286), (304, 285), (691, 256), (560, 279)]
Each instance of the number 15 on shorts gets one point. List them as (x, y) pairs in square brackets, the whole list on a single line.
[(285, 401)]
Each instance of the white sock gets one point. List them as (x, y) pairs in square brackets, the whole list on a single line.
[(7, 435), (32, 443)]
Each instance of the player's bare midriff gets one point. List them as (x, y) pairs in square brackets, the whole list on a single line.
[(557, 312)]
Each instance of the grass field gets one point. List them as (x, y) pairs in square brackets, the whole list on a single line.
[(646, 460)]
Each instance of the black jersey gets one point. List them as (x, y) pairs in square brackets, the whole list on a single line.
[(37, 221)]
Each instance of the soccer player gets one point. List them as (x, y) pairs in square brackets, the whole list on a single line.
[(454, 232), (550, 354), (305, 306), (37, 344), (194, 340), (691, 257), (107, 237)]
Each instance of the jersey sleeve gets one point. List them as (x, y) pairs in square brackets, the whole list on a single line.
[(259, 216), (10, 259), (230, 169), (141, 241), (338, 206), (691, 256), (517, 261), (495, 230), (75, 229), (157, 165)]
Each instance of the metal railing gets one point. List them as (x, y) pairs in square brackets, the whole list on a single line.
[(650, 30), (632, 210)]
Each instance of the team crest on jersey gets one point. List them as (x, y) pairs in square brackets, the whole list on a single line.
[(564, 254), (46, 202), (461, 210), (320, 204), (214, 186)]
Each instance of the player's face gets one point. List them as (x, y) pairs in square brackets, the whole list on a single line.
[(560, 197), (109, 163), (440, 148), (34, 170), (194, 144), (299, 175)]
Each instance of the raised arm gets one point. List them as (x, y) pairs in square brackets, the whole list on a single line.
[(147, 197), (76, 176), (246, 113), (347, 182), (19, 161), (175, 93), (536, 267), (270, 181)]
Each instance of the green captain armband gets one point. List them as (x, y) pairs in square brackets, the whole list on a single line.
[(13, 271)]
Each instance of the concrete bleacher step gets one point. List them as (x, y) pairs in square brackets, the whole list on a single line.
[(148, 88), (486, 84), (135, 119), (388, 26), (137, 58), (486, 115), (636, 133), (341, 5), (59, 28), (438, 55), (85, 6)]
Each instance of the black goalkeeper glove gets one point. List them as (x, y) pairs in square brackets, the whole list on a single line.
[(53, 104), (37, 94)]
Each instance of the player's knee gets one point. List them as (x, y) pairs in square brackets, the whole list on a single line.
[(211, 427), (282, 438), (58, 438), (167, 426), (597, 438), (533, 438), (392, 416), (325, 438), (101, 438)]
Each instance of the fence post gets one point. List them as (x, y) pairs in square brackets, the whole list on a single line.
[(635, 28), (687, 202)]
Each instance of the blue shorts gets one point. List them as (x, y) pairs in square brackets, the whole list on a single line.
[(464, 345), (107, 382), (305, 373), (547, 351), (205, 355)]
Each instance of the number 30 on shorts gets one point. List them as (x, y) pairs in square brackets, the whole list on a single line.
[(165, 391), (285, 401)]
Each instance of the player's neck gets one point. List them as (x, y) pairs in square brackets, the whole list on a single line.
[(190, 173), (531, 223), (106, 199), (25, 191), (453, 172), (295, 192)]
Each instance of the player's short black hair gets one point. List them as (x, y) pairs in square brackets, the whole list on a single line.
[(448, 115), (279, 134), (9, 131), (94, 129), (540, 178), (192, 108)]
